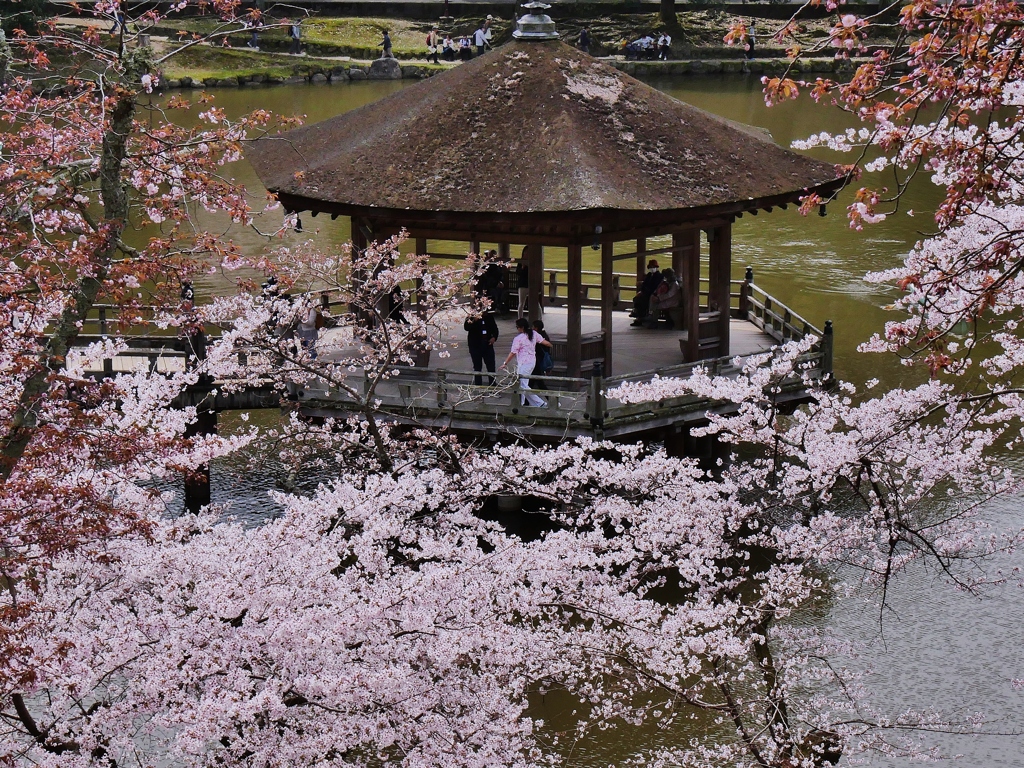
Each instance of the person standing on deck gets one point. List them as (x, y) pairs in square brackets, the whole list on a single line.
[(524, 347), (545, 354), (482, 333), (522, 283)]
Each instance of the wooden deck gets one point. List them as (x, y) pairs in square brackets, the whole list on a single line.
[(443, 395), (635, 348)]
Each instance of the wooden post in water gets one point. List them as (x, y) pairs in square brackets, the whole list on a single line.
[(607, 301), (421, 248), (573, 318), (596, 402), (197, 483), (827, 342)]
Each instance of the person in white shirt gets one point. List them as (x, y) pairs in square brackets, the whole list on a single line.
[(647, 44), (480, 40), (664, 46), (488, 32)]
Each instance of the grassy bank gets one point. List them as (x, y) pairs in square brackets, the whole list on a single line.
[(698, 35)]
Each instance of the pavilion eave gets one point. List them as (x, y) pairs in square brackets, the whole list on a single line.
[(572, 227)]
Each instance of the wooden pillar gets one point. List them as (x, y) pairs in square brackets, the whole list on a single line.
[(719, 280), (607, 301), (421, 249), (535, 263), (679, 256), (687, 244), (358, 238), (641, 261), (574, 319), (357, 276)]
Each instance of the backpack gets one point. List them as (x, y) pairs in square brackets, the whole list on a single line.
[(545, 364)]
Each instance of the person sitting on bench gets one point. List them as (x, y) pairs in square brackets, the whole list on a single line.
[(667, 296), (641, 302)]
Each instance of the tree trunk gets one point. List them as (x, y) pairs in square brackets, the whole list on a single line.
[(668, 13), (68, 326)]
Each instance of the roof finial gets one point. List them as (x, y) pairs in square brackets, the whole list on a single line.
[(535, 25)]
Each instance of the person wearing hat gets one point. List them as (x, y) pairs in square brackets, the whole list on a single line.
[(487, 30), (642, 300)]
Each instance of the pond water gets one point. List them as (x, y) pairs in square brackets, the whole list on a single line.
[(937, 647)]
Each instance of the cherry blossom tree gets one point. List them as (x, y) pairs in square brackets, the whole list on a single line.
[(100, 204)]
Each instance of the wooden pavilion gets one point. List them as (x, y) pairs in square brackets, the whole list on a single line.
[(537, 144)]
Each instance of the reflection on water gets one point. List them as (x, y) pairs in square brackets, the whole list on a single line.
[(939, 647)]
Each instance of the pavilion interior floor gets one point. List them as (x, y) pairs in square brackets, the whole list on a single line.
[(635, 348)]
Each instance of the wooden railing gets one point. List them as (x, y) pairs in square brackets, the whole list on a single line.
[(428, 392)]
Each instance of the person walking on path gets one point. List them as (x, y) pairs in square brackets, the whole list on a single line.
[(480, 40), (386, 45), (295, 33), (482, 333), (118, 21), (748, 48), (585, 40), (524, 347), (254, 39), (434, 46)]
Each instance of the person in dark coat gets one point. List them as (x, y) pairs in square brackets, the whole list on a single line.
[(642, 300), (585, 40), (543, 347), (482, 333)]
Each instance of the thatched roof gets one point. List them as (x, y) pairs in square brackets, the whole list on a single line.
[(532, 127)]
